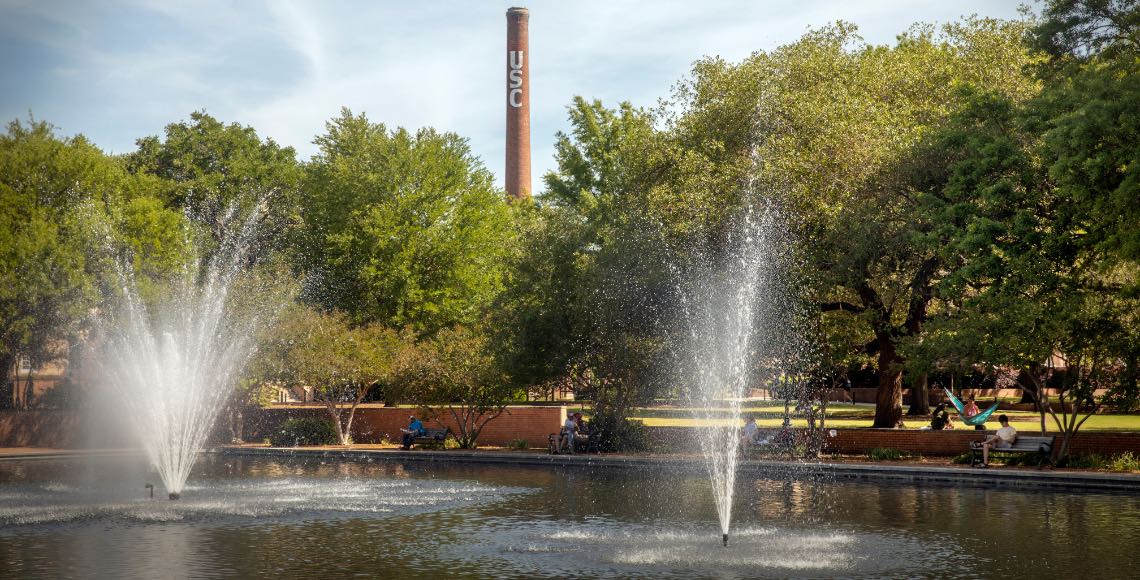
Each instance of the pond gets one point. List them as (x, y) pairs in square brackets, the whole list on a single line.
[(305, 517)]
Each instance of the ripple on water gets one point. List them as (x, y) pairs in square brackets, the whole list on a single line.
[(57, 503), (608, 547)]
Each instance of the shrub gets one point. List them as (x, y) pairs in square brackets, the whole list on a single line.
[(1125, 462), (1090, 461), (297, 432), (886, 454), (1019, 459), (963, 459), (517, 444)]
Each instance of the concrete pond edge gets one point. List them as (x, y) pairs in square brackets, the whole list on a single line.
[(993, 477)]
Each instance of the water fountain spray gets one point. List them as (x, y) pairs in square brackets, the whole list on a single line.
[(174, 366), (723, 296)]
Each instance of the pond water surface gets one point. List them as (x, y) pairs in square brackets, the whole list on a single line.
[(256, 517)]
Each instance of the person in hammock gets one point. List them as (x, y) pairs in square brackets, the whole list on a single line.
[(971, 410)]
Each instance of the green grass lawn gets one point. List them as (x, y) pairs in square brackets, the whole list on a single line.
[(842, 415)]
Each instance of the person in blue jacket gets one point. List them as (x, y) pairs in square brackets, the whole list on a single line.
[(415, 429)]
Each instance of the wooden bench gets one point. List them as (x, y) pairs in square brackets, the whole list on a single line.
[(1043, 446), (591, 443), (432, 437)]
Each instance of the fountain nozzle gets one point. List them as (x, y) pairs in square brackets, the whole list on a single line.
[(724, 538), (175, 495)]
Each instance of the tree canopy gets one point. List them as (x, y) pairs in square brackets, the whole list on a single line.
[(402, 228), (965, 199)]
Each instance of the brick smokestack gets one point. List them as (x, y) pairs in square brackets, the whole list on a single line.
[(518, 104)]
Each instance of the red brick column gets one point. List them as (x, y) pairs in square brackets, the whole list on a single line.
[(517, 176)]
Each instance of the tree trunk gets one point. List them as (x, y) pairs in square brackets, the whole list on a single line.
[(7, 383), (1028, 391), (1031, 388), (888, 400), (231, 415), (239, 427), (27, 393), (335, 414), (920, 396), (460, 424), (346, 438)]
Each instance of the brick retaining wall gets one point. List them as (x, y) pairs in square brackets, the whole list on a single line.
[(39, 429), (69, 429), (957, 441), (373, 423), (64, 429), (932, 443)]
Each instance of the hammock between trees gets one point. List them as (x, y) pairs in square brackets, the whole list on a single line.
[(979, 419)]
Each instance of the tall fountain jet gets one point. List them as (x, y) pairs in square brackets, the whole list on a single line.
[(727, 299), (518, 104), (173, 364)]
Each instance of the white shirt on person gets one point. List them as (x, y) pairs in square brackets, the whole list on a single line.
[(1006, 436), (750, 429), (570, 426)]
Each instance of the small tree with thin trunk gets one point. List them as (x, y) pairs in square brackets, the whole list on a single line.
[(340, 362), (457, 375)]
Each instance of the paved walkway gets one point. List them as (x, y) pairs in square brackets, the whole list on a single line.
[(903, 472), (26, 453)]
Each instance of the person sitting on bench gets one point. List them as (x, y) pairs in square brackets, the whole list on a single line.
[(1004, 438), (415, 429), (751, 432), (569, 433)]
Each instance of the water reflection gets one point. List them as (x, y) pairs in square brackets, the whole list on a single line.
[(259, 517)]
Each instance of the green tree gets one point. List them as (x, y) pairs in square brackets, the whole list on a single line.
[(1030, 197), (321, 351), (592, 288), (69, 213), (1082, 29), (1087, 113), (457, 373), (402, 229), (45, 288), (833, 122), (210, 169), (535, 319)]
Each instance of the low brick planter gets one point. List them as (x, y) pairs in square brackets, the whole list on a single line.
[(73, 429), (373, 423), (932, 443)]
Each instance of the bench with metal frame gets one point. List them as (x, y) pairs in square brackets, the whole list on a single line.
[(588, 444), (432, 437), (1043, 446)]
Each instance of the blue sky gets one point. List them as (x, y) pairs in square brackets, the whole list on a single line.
[(119, 70)]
